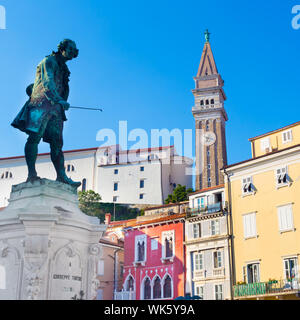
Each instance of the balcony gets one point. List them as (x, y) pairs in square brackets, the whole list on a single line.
[(210, 209), (198, 275), (263, 289), (124, 295)]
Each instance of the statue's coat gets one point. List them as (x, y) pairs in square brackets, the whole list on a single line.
[(50, 87)]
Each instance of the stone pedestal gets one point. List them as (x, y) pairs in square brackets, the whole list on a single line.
[(49, 249)]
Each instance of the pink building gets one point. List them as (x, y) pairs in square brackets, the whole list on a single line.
[(154, 258)]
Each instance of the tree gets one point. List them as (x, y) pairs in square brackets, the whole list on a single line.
[(89, 202), (180, 193)]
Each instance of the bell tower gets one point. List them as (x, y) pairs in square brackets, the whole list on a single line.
[(210, 118)]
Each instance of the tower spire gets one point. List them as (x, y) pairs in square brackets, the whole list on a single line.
[(210, 118)]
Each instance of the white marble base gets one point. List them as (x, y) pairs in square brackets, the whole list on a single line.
[(49, 249)]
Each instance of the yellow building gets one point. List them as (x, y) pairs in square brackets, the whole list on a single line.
[(264, 197)]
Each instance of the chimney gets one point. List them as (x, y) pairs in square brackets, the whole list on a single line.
[(107, 218)]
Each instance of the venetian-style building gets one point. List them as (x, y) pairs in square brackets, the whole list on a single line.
[(263, 194), (207, 245)]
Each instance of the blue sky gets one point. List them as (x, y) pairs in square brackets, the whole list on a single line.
[(137, 60)]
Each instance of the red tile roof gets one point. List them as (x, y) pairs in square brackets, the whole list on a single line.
[(157, 220), (208, 189)]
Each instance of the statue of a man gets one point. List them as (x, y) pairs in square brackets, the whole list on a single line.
[(43, 114)]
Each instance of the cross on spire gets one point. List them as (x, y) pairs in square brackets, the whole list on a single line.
[(207, 35)]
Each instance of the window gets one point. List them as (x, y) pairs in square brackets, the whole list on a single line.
[(147, 289), (290, 268), (157, 288), (167, 287), (115, 198), (196, 230), (253, 275), (285, 218), (200, 203), (218, 263), (199, 291), (249, 225), (247, 187), (130, 284), (215, 227), (265, 144), (207, 102), (142, 168), (142, 183), (212, 101), (100, 268), (201, 103), (154, 244), (140, 248), (116, 171), (83, 188), (287, 136), (141, 196), (70, 168), (116, 186), (198, 261), (219, 292), (169, 247), (6, 175), (168, 244), (282, 177)]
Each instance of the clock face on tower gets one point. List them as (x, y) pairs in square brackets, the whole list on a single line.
[(209, 138)]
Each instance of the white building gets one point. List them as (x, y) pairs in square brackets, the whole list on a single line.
[(207, 245), (142, 176)]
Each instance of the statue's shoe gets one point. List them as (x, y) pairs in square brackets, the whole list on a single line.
[(69, 181), (32, 179)]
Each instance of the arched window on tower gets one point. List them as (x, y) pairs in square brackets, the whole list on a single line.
[(167, 287), (201, 103), (207, 102), (157, 288), (147, 289), (83, 188), (212, 101)]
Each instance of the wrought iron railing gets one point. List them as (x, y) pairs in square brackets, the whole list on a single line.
[(265, 288), (212, 208)]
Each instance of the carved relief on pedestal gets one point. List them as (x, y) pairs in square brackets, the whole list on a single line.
[(95, 253), (66, 273), (10, 271)]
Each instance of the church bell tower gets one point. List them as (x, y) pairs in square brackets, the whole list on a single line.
[(210, 118)]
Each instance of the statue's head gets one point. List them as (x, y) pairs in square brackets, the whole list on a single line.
[(68, 49)]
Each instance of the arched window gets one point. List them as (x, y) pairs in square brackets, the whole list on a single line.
[(169, 247), (83, 185), (201, 103), (130, 284), (147, 289), (157, 289), (207, 102), (212, 101), (167, 287), (70, 168)]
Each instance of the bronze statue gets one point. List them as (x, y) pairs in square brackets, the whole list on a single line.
[(43, 114)]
